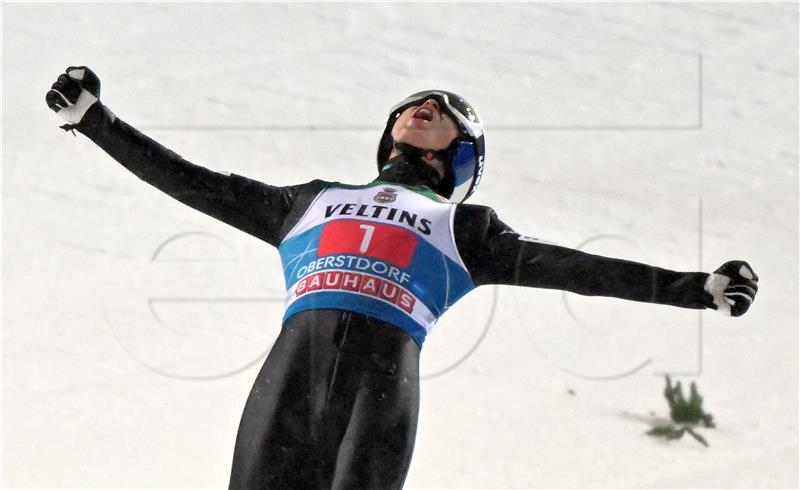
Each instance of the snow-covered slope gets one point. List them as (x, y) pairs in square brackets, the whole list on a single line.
[(133, 326)]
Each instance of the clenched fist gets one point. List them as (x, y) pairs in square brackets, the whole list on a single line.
[(732, 288), (73, 93)]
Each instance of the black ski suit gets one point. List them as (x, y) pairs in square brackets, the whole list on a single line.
[(335, 404)]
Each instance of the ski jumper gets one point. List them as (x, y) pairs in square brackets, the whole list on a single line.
[(368, 270)]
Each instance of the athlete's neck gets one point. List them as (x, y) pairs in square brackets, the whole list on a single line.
[(413, 172)]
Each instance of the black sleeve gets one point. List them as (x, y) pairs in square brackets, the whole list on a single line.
[(246, 204), (496, 254)]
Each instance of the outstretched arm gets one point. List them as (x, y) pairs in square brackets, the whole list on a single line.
[(246, 204), (495, 254)]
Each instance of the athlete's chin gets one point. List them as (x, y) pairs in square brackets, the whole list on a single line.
[(416, 138)]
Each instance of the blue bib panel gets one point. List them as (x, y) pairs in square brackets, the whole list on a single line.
[(382, 250)]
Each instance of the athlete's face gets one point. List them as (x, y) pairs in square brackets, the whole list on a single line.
[(425, 126)]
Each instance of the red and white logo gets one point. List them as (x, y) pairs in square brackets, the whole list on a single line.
[(357, 282), (386, 195)]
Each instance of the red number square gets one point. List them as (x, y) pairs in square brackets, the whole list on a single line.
[(388, 243)]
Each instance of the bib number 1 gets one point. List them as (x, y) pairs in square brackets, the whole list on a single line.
[(388, 243), (368, 231)]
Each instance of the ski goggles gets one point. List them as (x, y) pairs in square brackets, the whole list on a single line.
[(465, 117)]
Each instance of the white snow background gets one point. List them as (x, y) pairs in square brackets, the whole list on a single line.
[(133, 326)]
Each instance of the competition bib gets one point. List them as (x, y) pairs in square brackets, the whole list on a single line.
[(382, 250)]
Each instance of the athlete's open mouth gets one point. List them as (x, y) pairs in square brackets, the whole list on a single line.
[(423, 113)]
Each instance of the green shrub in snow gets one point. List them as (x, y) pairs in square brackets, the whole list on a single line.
[(686, 415)]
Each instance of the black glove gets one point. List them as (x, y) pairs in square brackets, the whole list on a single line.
[(73, 93), (732, 288)]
